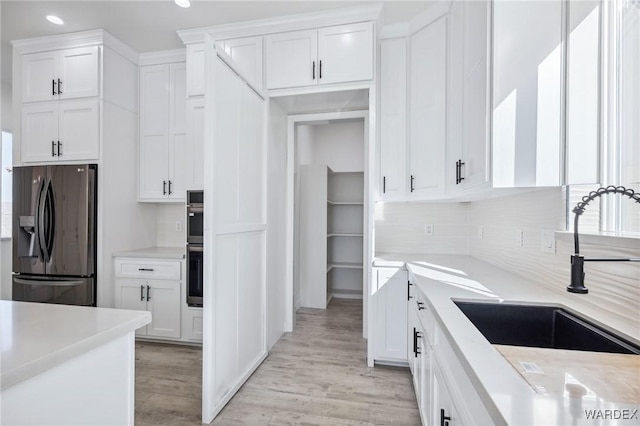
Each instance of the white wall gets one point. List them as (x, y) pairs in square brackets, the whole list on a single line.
[(167, 216), (6, 123), (276, 224), (399, 228), (613, 286), (339, 145), (7, 113)]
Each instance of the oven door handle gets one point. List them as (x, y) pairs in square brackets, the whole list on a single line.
[(195, 210), (194, 248)]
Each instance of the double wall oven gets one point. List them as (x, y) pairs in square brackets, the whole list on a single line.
[(195, 209)]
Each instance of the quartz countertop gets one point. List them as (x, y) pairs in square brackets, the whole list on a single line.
[(39, 336), (154, 253), (508, 397)]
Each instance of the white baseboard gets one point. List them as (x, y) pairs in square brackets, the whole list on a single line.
[(346, 296)]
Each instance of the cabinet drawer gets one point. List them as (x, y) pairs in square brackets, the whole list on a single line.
[(151, 269), (426, 319)]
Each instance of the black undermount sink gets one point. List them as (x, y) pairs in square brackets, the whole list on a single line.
[(542, 327)]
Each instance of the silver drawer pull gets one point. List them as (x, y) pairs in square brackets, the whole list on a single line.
[(145, 269)]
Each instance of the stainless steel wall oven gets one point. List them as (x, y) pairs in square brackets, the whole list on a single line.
[(195, 247)]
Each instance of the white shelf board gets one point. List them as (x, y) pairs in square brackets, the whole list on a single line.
[(345, 203), (343, 235), (347, 265)]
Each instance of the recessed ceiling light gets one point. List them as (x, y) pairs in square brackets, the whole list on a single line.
[(183, 3), (54, 20)]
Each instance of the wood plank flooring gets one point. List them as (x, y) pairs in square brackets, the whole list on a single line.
[(316, 375)]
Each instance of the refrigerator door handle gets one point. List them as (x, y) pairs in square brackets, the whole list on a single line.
[(46, 220), (40, 221), (48, 283)]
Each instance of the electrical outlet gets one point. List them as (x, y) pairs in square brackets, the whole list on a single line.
[(428, 229), (481, 232), (178, 226), (548, 241), (519, 238)]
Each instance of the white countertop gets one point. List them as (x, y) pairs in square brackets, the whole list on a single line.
[(154, 253), (507, 396), (39, 336)]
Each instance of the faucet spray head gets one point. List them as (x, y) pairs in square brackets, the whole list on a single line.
[(577, 275)]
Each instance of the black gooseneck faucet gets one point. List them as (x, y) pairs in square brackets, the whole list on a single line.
[(577, 261)]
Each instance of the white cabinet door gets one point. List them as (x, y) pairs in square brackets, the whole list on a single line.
[(393, 121), (79, 130), (79, 72), (194, 166), (443, 409), (428, 107), (195, 69), (475, 138), (391, 314), (164, 305), (291, 59), (246, 52), (177, 176), (527, 93), (39, 76), (132, 294), (425, 375), (154, 132), (345, 53), (39, 132)]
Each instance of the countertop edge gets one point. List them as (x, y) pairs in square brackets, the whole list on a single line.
[(35, 367)]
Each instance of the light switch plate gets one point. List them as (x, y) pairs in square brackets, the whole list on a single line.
[(548, 241)]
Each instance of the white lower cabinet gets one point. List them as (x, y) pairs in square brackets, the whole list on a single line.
[(155, 286), (444, 393), (391, 315), (161, 298)]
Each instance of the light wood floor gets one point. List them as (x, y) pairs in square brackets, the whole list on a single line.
[(316, 375)]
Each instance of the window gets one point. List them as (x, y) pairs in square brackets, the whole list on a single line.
[(620, 156), (7, 183)]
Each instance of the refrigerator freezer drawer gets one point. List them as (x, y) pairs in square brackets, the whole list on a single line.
[(67, 291)]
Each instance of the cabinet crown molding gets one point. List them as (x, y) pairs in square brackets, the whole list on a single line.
[(283, 24), (163, 57), (73, 40)]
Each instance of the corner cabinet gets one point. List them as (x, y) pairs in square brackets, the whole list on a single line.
[(390, 303), (337, 54), (163, 133), (427, 104)]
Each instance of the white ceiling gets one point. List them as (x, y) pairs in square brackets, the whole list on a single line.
[(151, 25)]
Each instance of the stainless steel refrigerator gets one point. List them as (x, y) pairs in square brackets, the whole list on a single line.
[(54, 234)]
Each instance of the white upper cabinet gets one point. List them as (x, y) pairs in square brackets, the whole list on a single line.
[(163, 130), (246, 53), (60, 131), (527, 93), (194, 166), (393, 119), (428, 58), (345, 53), (195, 69), (61, 74), (468, 142), (291, 59), (336, 54)]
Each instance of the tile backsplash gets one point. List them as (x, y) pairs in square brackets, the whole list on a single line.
[(168, 215), (399, 228), (507, 232)]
